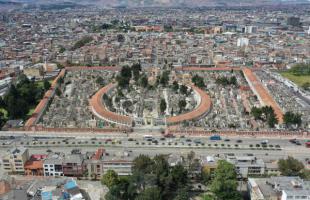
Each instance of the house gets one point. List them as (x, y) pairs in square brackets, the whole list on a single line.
[(99, 163), (15, 159), (209, 165), (73, 165), (34, 166)]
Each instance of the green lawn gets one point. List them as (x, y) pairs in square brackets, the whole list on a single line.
[(31, 111), (40, 84), (299, 80), (5, 113)]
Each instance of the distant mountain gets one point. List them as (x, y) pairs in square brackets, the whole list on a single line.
[(157, 3)]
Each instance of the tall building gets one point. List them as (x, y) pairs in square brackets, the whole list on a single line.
[(242, 42), (293, 21)]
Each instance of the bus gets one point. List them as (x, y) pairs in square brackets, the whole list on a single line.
[(215, 137), (147, 137)]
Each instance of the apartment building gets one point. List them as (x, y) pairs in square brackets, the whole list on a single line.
[(15, 159)]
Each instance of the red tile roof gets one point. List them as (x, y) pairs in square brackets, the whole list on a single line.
[(101, 111), (203, 107)]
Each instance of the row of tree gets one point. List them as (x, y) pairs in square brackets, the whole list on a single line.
[(266, 114), (291, 118), (293, 167), (198, 81), (300, 69), (223, 80), (82, 42), (127, 73), (22, 96), (154, 179)]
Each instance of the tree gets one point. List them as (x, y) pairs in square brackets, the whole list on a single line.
[(46, 85), (290, 167), (143, 81), (58, 91), (224, 185), (291, 118), (272, 120), (2, 120), (182, 194), (100, 81), (182, 105), (198, 81), (124, 77), (142, 164), (164, 78), (256, 112), (183, 89), (136, 69), (179, 176), (152, 193), (175, 86), (163, 105), (16, 105), (110, 178)]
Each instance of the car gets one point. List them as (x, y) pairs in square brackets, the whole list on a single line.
[(264, 142), (239, 141), (297, 143), (130, 139), (169, 136), (182, 136), (293, 141), (162, 138), (108, 140), (227, 140), (197, 141), (188, 140)]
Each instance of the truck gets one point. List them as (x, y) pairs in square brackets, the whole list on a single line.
[(215, 137)]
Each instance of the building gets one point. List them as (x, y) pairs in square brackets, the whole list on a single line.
[(242, 42), (247, 165), (276, 188), (52, 165), (69, 190), (73, 165), (15, 159), (121, 166), (35, 71), (94, 165), (209, 165), (293, 21), (34, 166)]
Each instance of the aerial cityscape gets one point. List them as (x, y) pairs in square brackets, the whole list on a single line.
[(155, 100)]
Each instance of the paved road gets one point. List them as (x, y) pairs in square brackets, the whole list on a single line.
[(166, 146)]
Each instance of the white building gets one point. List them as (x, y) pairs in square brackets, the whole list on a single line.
[(247, 165), (279, 188), (242, 42), (52, 165)]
